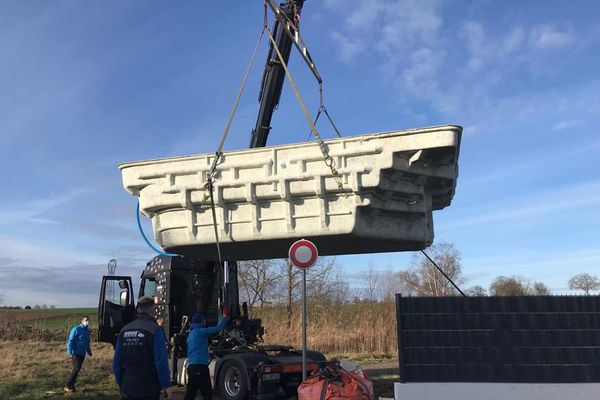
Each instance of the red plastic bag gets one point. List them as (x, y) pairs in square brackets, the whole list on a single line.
[(345, 385)]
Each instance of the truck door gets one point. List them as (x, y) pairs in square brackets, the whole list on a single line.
[(115, 308)]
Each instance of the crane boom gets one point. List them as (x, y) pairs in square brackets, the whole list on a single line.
[(274, 74)]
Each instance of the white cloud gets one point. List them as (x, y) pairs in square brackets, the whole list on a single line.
[(530, 208), (32, 251), (421, 75), (33, 211), (487, 50), (520, 165), (348, 48), (335, 4), (566, 124), (513, 40), (364, 15), (73, 286), (459, 67), (472, 33), (548, 37)]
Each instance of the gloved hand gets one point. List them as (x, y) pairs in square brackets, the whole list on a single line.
[(226, 312)]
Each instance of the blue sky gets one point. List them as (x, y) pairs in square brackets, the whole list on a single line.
[(85, 86)]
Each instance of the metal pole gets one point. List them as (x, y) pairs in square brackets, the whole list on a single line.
[(303, 325)]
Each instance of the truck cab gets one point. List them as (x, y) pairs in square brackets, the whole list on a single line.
[(241, 367)]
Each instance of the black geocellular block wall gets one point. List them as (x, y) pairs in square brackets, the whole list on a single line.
[(528, 339)]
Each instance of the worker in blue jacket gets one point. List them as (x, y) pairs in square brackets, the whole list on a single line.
[(78, 345), (198, 373), (140, 363)]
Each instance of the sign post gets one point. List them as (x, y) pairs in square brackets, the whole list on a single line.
[(303, 254)]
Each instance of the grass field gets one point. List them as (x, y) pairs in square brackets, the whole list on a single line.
[(53, 319), (38, 370), (33, 362), (352, 330)]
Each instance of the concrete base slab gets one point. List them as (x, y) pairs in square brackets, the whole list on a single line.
[(496, 391), (382, 199)]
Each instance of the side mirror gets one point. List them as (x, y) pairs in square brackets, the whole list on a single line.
[(123, 284), (124, 298)]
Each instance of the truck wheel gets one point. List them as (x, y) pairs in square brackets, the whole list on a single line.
[(233, 383)]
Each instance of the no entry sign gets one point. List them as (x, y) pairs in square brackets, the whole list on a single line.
[(303, 253)]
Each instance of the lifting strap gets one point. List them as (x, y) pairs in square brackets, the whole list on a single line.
[(212, 170), (219, 151), (326, 157), (291, 30)]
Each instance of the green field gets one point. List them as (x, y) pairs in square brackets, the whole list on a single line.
[(53, 319)]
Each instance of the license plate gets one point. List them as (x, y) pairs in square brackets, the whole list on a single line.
[(271, 377)]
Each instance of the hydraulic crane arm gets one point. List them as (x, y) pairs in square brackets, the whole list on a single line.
[(274, 74)]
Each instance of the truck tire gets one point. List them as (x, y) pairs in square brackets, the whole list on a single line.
[(233, 381)]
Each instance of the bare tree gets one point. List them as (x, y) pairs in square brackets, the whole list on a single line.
[(371, 280), (539, 289), (477, 291), (2, 299), (257, 280), (517, 286), (586, 282), (388, 284), (393, 283), (324, 282), (509, 286), (425, 280)]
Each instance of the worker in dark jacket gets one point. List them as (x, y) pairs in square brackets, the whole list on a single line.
[(198, 374), (140, 363), (78, 345)]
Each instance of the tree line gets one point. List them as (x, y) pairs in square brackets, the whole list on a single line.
[(277, 282)]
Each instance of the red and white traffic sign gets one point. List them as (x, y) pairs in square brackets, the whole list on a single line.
[(303, 253)]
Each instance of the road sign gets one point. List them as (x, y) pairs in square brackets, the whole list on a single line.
[(303, 253)]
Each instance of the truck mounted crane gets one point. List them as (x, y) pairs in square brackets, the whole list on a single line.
[(241, 367)]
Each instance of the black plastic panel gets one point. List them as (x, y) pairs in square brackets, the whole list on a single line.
[(499, 339)]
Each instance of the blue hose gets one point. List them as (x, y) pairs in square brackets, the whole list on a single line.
[(139, 224)]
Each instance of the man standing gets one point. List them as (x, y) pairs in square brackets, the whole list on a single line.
[(198, 373), (140, 363), (77, 346)]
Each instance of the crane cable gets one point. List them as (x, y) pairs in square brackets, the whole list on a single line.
[(443, 273), (330, 162), (210, 176), (219, 151), (322, 109), (218, 154)]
